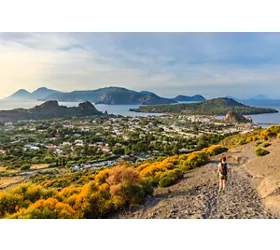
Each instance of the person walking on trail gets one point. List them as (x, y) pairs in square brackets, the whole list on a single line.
[(224, 172)]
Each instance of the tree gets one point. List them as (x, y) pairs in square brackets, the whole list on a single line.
[(175, 150), (119, 151)]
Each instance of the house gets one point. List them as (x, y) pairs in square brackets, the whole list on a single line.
[(86, 165), (32, 147), (76, 168), (66, 144), (59, 151)]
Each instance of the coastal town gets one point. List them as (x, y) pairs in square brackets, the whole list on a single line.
[(78, 144)]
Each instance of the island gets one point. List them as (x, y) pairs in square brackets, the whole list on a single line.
[(216, 106), (49, 110), (183, 98)]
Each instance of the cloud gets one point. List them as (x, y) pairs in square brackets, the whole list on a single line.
[(167, 63)]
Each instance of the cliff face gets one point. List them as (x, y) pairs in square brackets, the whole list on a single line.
[(233, 117)]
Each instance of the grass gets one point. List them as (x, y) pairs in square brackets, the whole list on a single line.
[(5, 181), (39, 166)]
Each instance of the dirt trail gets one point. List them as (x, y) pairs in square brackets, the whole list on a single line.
[(196, 196)]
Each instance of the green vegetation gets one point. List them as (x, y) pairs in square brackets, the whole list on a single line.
[(217, 106), (170, 177), (261, 152), (265, 144), (96, 194), (121, 187), (66, 143), (257, 135), (25, 167), (258, 143), (241, 139)]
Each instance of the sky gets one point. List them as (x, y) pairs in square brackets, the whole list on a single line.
[(212, 64)]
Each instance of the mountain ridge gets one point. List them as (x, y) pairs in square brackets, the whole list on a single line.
[(110, 95)]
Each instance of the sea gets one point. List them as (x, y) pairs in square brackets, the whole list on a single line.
[(111, 109), (262, 119)]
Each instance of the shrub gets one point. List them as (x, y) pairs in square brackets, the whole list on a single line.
[(258, 143), (125, 183), (170, 177), (68, 191), (147, 187), (270, 132), (266, 144), (25, 167), (47, 209), (261, 152), (102, 176), (215, 150), (121, 174), (9, 203), (243, 142), (184, 166), (196, 159), (156, 167)]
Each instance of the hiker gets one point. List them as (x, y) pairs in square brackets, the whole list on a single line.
[(223, 171)]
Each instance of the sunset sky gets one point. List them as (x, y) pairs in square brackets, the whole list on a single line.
[(212, 64)]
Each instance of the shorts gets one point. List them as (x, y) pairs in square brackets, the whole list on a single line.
[(223, 177)]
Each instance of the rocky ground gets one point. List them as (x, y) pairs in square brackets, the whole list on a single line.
[(197, 197)]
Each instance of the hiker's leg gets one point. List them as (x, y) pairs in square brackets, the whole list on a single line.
[(220, 184), (224, 184)]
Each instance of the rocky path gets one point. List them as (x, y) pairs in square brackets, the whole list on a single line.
[(196, 197)]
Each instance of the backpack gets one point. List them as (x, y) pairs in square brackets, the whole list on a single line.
[(224, 168)]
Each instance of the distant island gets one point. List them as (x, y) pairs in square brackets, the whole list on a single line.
[(183, 98), (40, 93), (49, 110), (108, 95), (216, 106)]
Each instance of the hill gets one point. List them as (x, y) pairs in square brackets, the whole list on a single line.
[(112, 96), (19, 95), (183, 98), (48, 110), (251, 193), (216, 106), (40, 93)]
